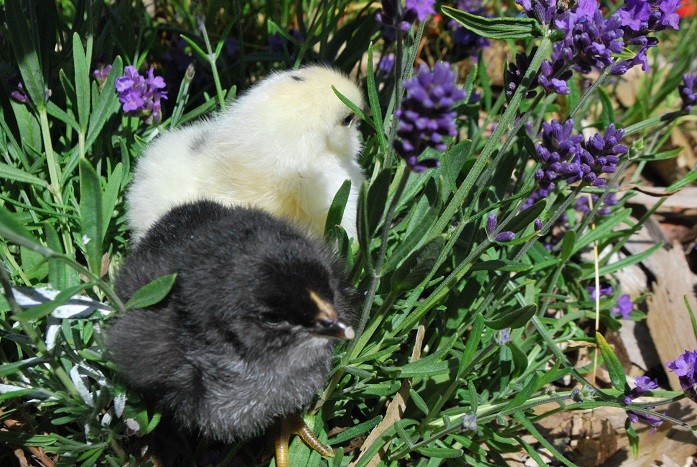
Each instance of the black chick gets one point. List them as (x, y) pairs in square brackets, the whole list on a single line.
[(244, 338)]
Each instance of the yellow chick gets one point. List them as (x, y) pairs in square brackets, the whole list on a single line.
[(285, 146)]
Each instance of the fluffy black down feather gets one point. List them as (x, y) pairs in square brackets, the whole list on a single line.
[(231, 348)]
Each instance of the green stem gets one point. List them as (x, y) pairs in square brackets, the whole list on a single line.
[(511, 111), (591, 89), (377, 273), (211, 57), (54, 172)]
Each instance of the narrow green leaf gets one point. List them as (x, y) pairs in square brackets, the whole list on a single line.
[(520, 360), (625, 262), (475, 337), (53, 110), (10, 368), (82, 82), (513, 319), (111, 196), (522, 418), (355, 431), (417, 265), (377, 199), (364, 234), (336, 210), (423, 216), (453, 162), (633, 438), (91, 216), (105, 105), (9, 438), (60, 274), (614, 367), (354, 108), (29, 128), (524, 218), (201, 53), (501, 265), (9, 172), (428, 366), (567, 245), (152, 292), (608, 114), (374, 103), (524, 394), (686, 180), (418, 401), (441, 453), (499, 28), (603, 230), (693, 319), (23, 38), (10, 225)]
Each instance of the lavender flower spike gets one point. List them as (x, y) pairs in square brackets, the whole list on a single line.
[(624, 306), (685, 367), (425, 116), (139, 96)]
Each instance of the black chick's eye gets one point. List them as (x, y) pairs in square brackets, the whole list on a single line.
[(348, 121)]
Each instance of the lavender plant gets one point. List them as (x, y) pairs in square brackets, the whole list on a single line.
[(473, 235)]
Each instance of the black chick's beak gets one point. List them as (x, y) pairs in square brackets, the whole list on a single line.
[(327, 322)]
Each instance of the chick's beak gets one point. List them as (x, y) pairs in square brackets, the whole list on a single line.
[(327, 322), (334, 328)]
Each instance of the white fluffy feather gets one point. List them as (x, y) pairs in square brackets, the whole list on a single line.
[(285, 146)]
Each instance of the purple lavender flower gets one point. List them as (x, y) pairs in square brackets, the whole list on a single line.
[(652, 420), (422, 8), (503, 337), (638, 19), (505, 236), (564, 156), (558, 146), (516, 71), (606, 149), (604, 291), (101, 74), (386, 63), (685, 365), (642, 384), (425, 116), (624, 306), (19, 94), (688, 90), (545, 11), (491, 223), (590, 39), (685, 368), (554, 75), (139, 96)]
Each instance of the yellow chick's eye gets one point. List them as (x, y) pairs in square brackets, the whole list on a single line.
[(348, 121)]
